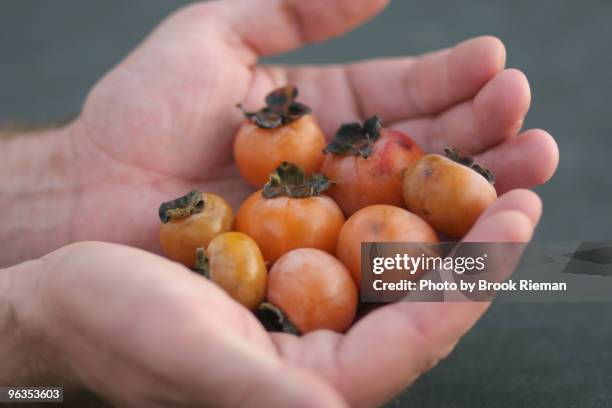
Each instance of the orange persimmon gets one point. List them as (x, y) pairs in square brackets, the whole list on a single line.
[(450, 192), (285, 130), (313, 290), (379, 223), (234, 262), (366, 164), (290, 213), (190, 222)]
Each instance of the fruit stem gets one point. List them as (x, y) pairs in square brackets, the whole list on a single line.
[(355, 139), (289, 180), (468, 160), (202, 265), (274, 320), (182, 207), (281, 108)]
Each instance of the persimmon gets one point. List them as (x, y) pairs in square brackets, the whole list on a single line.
[(366, 163), (379, 223), (308, 290), (190, 222), (284, 130), (449, 192), (234, 262), (290, 213)]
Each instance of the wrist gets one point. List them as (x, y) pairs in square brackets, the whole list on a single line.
[(16, 353), (40, 188), (8, 332), (24, 350)]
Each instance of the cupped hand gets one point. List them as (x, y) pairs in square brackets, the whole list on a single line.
[(139, 330), (163, 120), (142, 329)]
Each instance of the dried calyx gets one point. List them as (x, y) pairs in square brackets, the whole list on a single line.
[(467, 160), (182, 207), (202, 265), (281, 108), (290, 180), (355, 139), (273, 319)]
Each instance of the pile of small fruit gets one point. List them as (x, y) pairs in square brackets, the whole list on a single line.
[(295, 225)]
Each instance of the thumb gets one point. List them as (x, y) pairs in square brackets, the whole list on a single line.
[(292, 387), (268, 27)]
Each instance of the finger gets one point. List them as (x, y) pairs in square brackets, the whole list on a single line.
[(284, 386), (499, 226), (268, 27), (525, 201), (494, 115), (525, 161), (499, 110), (397, 89)]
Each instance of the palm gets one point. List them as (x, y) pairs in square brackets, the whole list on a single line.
[(157, 131)]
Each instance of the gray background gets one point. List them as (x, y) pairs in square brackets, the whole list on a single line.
[(51, 52)]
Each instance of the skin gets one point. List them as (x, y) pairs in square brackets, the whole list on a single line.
[(258, 151), (120, 147), (314, 290), (379, 223), (361, 182), (448, 195), (281, 224), (180, 238), (236, 265)]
